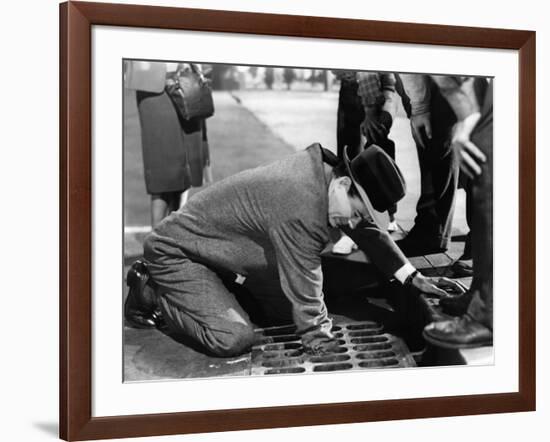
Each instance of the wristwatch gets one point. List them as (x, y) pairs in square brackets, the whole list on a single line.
[(408, 281)]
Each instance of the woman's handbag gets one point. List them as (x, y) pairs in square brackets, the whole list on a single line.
[(191, 94)]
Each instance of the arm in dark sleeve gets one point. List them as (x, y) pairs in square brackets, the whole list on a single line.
[(378, 95), (379, 247)]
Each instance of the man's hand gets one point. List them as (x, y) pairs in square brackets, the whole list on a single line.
[(320, 341), (373, 128), (322, 347), (471, 158), (374, 131), (421, 127), (439, 286)]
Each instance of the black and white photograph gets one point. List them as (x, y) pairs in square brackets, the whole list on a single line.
[(285, 220)]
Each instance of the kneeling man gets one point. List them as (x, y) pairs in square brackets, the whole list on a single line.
[(268, 226)]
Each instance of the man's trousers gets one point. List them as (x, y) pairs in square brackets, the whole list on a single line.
[(439, 169), (207, 305), (481, 307)]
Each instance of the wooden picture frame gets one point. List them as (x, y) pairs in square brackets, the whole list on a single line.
[(76, 21)]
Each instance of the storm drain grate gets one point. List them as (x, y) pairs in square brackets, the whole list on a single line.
[(362, 345)]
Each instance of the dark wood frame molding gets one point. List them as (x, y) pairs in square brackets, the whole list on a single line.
[(76, 21)]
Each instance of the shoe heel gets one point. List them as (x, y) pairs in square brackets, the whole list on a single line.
[(137, 275), (138, 308)]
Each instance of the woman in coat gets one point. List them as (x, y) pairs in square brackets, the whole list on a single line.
[(175, 151)]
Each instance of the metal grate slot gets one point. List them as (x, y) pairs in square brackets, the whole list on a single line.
[(375, 355), (340, 349), (330, 358), (359, 334), (285, 370), (375, 363), (332, 367), (371, 347), (369, 340)]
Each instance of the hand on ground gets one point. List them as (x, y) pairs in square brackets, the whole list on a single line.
[(439, 286)]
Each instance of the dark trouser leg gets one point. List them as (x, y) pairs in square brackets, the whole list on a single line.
[(349, 118), (388, 146), (195, 302), (481, 307), (348, 132), (467, 254), (438, 173)]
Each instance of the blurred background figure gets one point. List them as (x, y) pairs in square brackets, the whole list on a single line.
[(175, 151)]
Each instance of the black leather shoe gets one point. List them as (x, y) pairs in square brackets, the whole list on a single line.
[(140, 305), (462, 332), (456, 305), (416, 244)]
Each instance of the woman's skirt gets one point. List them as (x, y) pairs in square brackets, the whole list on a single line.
[(175, 151)]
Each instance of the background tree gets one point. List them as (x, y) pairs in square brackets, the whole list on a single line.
[(289, 76), (269, 77)]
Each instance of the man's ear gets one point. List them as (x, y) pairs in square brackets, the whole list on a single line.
[(344, 181)]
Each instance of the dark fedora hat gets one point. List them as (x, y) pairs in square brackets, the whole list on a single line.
[(377, 178)]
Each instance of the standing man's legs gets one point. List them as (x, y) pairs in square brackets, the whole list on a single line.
[(349, 118), (475, 328), (350, 115), (445, 170), (462, 267), (388, 146), (438, 183), (481, 307)]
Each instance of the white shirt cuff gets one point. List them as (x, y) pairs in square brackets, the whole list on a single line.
[(403, 273)]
